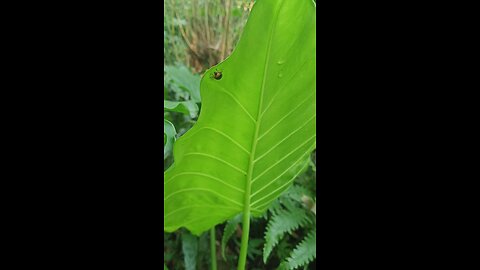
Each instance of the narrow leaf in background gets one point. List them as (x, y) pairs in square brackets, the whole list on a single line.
[(185, 107), (190, 250), (183, 79), (228, 232), (169, 133)]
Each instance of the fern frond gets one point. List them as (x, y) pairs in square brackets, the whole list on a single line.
[(296, 192), (254, 248), (291, 195), (228, 232), (283, 266), (304, 253), (280, 223), (275, 207)]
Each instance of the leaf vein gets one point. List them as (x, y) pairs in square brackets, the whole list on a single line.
[(200, 189), (291, 152), (284, 86), (219, 159), (204, 175), (279, 121), (295, 131), (228, 137), (282, 186), (238, 102), (200, 206)]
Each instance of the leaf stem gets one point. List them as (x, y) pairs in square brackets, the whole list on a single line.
[(243, 249), (213, 251)]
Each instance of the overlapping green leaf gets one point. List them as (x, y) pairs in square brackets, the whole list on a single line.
[(257, 125), (190, 250), (185, 107), (228, 232), (182, 79), (169, 133)]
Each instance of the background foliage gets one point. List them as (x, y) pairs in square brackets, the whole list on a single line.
[(197, 35)]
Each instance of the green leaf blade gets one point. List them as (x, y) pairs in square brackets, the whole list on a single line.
[(228, 232), (304, 253), (183, 79), (169, 133), (256, 128), (185, 107), (281, 223), (190, 250)]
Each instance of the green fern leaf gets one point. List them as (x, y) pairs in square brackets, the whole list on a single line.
[(304, 253), (228, 232), (296, 192), (275, 207), (283, 266), (254, 248), (282, 222), (291, 205)]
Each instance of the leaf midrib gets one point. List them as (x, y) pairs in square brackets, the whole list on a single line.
[(248, 185)]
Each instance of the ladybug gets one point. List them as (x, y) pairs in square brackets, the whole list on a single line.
[(217, 75)]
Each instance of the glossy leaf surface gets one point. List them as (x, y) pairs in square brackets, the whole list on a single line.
[(256, 128)]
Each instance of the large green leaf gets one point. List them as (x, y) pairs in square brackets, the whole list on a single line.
[(256, 128)]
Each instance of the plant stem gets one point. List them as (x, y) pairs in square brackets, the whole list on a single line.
[(228, 10), (207, 28), (243, 249), (213, 252)]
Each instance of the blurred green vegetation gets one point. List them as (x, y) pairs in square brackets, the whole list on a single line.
[(201, 33)]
